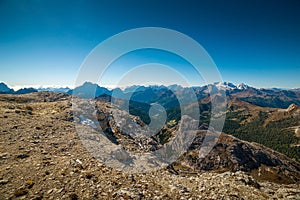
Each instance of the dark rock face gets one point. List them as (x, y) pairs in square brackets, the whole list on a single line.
[(233, 154)]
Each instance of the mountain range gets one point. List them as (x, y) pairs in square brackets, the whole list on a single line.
[(273, 97), (276, 98), (4, 89)]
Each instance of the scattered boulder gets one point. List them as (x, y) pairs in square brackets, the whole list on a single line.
[(297, 132), (20, 192), (22, 156), (3, 181), (291, 107)]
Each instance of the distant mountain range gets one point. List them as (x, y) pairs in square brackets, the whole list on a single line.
[(274, 97), (54, 89), (4, 89)]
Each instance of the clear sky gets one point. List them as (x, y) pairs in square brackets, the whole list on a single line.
[(251, 41)]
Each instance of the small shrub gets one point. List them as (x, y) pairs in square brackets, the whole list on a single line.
[(29, 184)]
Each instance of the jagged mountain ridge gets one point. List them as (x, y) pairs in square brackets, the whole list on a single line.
[(280, 98), (276, 98), (4, 89)]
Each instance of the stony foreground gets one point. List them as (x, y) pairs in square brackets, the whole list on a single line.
[(42, 157)]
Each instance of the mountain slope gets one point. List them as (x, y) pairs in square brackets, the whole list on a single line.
[(272, 127), (232, 154)]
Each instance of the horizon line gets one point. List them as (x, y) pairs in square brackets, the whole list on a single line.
[(111, 87)]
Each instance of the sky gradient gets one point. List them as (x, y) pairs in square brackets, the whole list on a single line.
[(252, 41)]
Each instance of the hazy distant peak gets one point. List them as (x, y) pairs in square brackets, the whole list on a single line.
[(54, 89), (4, 89)]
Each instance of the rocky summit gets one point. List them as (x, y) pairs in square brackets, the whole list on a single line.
[(43, 157)]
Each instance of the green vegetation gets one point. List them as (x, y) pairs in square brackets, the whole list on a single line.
[(141, 110), (275, 135)]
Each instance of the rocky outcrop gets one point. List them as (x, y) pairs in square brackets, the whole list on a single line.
[(232, 154), (297, 132), (291, 107)]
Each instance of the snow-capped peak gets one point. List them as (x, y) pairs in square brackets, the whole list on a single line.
[(242, 86), (225, 86), (230, 86)]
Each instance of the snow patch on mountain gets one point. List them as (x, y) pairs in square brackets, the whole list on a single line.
[(242, 86), (227, 86)]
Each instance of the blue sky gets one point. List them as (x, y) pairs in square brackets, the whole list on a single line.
[(251, 41)]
